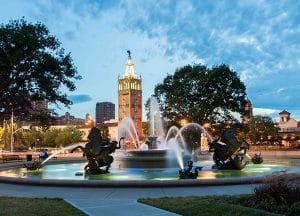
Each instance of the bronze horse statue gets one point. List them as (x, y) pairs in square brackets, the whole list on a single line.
[(225, 148), (98, 152)]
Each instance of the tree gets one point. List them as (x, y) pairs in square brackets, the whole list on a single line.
[(199, 94), (259, 128), (68, 136), (33, 67)]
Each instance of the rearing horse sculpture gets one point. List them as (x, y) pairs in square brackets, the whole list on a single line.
[(98, 152), (224, 148)]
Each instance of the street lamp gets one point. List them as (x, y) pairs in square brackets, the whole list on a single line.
[(12, 132), (206, 125), (183, 122)]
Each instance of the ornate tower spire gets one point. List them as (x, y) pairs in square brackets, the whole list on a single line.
[(129, 67)]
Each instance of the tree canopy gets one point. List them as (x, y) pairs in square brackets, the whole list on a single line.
[(259, 128), (33, 67), (200, 94)]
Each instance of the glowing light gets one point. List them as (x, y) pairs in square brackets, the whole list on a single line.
[(206, 125), (183, 122)]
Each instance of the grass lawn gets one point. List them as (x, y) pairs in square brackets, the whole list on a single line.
[(208, 205), (36, 206)]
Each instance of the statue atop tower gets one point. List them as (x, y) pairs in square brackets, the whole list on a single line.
[(129, 68)]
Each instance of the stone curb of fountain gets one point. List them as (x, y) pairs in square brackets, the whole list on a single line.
[(132, 183)]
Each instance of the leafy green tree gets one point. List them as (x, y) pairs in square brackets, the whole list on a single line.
[(25, 139), (200, 94), (33, 67), (258, 128), (68, 136), (49, 137)]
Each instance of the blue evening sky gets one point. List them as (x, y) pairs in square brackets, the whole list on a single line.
[(259, 39)]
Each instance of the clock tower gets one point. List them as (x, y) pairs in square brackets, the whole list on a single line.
[(130, 95)]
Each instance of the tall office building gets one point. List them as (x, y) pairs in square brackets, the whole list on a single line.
[(130, 96), (104, 112)]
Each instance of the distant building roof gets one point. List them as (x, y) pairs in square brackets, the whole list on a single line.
[(284, 112)]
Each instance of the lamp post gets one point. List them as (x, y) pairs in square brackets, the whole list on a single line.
[(12, 132), (4, 133)]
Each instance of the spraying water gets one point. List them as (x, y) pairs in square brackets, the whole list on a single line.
[(127, 127), (174, 140), (196, 125), (176, 148), (156, 124), (62, 150)]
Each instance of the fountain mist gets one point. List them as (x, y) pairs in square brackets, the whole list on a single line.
[(127, 128)]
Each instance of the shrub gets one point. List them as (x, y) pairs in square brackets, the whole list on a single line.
[(278, 192), (294, 210)]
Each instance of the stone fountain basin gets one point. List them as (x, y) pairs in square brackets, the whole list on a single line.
[(7, 176), (152, 158)]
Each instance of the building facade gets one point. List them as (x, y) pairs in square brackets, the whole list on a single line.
[(104, 112), (130, 96), (289, 129), (69, 119)]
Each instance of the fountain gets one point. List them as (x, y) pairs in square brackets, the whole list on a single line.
[(149, 164), (158, 151)]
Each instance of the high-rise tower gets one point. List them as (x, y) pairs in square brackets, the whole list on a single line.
[(130, 95), (104, 111)]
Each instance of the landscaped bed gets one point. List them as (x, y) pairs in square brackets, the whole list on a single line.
[(36, 206), (279, 194), (208, 205)]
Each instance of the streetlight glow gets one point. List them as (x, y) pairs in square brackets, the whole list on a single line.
[(183, 122)]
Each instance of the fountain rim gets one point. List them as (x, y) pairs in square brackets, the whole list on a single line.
[(121, 183)]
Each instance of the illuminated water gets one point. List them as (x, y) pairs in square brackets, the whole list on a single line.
[(68, 171)]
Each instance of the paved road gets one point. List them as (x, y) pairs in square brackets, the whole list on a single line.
[(117, 201)]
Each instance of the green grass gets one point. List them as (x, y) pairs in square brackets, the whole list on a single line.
[(208, 205), (36, 206)]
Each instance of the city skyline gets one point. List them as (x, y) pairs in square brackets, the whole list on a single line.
[(257, 39)]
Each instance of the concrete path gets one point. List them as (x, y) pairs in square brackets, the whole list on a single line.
[(117, 201)]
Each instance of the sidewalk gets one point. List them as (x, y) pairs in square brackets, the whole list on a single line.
[(117, 201)]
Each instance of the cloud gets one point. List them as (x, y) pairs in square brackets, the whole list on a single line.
[(82, 98), (265, 111), (258, 39)]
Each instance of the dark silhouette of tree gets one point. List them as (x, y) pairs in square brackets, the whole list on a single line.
[(200, 94), (33, 67)]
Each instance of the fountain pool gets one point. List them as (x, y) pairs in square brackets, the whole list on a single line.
[(70, 171)]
